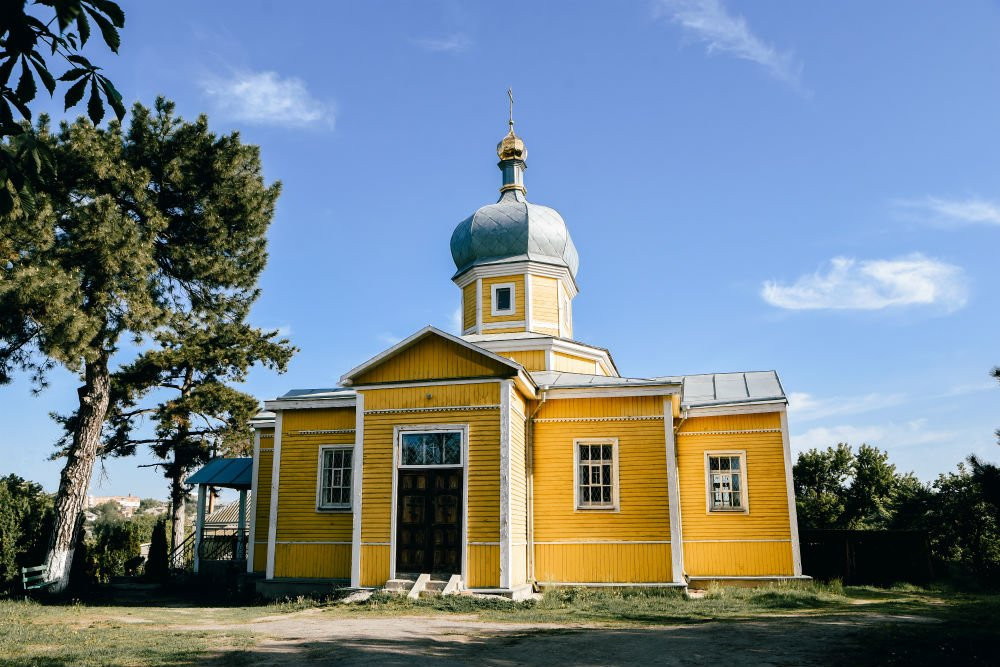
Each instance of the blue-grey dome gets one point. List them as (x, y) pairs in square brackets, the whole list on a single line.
[(513, 230)]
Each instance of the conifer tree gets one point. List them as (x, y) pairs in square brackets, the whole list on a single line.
[(164, 218)]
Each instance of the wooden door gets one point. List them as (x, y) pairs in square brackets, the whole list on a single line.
[(429, 521)]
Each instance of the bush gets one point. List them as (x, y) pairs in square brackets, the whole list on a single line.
[(25, 522), (156, 564)]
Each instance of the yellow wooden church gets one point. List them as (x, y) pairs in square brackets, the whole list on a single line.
[(514, 455)]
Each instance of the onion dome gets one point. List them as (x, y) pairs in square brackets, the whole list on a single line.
[(513, 229)]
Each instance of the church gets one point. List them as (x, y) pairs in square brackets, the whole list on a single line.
[(514, 456)]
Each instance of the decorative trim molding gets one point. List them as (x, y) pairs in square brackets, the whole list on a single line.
[(305, 404), (527, 300), (506, 387), (503, 325), (734, 408), (264, 436), (786, 445), (561, 273), (479, 305), (561, 542), (611, 391), (267, 449), (599, 419), (484, 544), (732, 541), (443, 408), (322, 431), (254, 475), (313, 542), (673, 497), (736, 432)]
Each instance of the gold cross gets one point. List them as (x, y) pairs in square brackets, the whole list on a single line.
[(511, 121)]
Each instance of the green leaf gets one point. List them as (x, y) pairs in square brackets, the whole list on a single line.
[(16, 101), (43, 73), (6, 68), (112, 10), (83, 25), (75, 93), (95, 108), (114, 97), (79, 60), (26, 88), (108, 31), (74, 73)]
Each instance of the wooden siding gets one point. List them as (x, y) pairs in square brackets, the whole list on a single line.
[(532, 360), (544, 302), (315, 420), (631, 406), (483, 461), (262, 503), (433, 358), (570, 363), (484, 566), (706, 550), (260, 554), (469, 305), (738, 559), (312, 561), (298, 518), (602, 563), (518, 493), (518, 314), (374, 564)]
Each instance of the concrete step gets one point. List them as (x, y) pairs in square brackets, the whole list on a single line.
[(398, 585)]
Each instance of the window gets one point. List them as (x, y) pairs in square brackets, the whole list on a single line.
[(335, 473), (727, 488), (431, 448), (596, 474), (503, 299)]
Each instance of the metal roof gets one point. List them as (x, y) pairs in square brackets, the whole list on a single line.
[(725, 388), (329, 392), (560, 379), (228, 514), (513, 230), (228, 473)]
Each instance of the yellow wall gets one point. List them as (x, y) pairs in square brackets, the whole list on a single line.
[(518, 493), (518, 314), (483, 509), (433, 358), (310, 542), (757, 542), (643, 514), (532, 360), (469, 306), (262, 500), (573, 364), (545, 304)]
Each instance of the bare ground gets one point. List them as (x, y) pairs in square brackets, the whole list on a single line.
[(312, 637)]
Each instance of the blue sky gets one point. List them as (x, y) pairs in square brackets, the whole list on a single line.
[(805, 187)]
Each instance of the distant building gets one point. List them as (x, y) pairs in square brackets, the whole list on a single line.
[(127, 504)]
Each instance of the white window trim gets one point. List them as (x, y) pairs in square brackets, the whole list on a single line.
[(342, 507), (744, 494), (494, 311), (615, 505), (460, 429)]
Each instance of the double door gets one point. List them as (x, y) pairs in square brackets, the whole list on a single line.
[(429, 521)]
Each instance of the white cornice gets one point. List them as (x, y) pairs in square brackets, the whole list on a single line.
[(309, 403), (735, 409), (610, 391), (548, 343)]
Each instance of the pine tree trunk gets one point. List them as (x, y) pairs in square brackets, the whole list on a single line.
[(177, 498), (75, 478)]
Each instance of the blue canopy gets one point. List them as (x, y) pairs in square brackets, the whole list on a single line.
[(228, 473)]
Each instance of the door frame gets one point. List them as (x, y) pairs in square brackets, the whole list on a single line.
[(397, 443)]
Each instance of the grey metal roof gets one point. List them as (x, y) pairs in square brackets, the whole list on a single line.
[(513, 230), (725, 388), (560, 379), (229, 515), (228, 473), (329, 392)]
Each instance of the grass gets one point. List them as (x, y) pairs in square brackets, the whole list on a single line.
[(175, 633)]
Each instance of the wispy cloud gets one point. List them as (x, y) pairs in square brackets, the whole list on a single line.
[(807, 407), (884, 436), (951, 212), (710, 23), (265, 98), (389, 339), (455, 321), (913, 280), (455, 43)]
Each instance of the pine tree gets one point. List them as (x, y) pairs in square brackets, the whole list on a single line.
[(139, 225)]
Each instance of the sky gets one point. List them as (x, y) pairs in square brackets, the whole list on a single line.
[(804, 187)]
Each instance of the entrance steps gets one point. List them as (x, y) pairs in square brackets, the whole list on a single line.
[(423, 585)]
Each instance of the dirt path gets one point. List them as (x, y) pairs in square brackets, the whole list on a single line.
[(311, 638)]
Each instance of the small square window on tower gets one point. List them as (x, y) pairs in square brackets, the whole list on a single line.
[(503, 299)]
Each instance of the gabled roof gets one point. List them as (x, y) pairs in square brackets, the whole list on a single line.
[(426, 332), (728, 388), (229, 515)]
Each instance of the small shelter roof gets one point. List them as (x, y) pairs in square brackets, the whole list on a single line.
[(236, 473)]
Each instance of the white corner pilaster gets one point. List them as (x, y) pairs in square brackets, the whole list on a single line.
[(560, 311), (272, 522), (358, 476), (786, 445), (673, 496), (505, 541), (479, 305), (254, 475), (528, 319)]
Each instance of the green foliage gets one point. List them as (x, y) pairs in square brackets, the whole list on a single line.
[(29, 42), (25, 513), (114, 549)]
